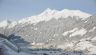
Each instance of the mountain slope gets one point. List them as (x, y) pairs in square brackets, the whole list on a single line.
[(49, 14), (67, 29)]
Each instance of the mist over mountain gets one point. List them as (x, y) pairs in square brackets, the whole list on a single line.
[(64, 29)]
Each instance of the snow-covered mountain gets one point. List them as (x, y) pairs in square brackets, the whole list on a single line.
[(48, 14), (4, 23), (66, 29)]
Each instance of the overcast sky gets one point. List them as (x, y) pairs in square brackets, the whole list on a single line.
[(17, 9)]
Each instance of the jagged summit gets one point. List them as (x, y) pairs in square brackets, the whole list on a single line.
[(64, 32), (47, 15), (52, 13), (49, 11)]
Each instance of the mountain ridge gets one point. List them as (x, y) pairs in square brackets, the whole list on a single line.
[(51, 29), (47, 15), (52, 13)]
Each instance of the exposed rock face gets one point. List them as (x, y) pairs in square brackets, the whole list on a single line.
[(63, 32)]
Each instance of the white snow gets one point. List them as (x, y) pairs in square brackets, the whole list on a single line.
[(93, 50), (49, 14), (67, 32), (94, 38), (35, 28), (86, 21), (12, 24), (80, 32), (55, 35), (3, 24), (66, 45), (6, 24), (87, 46), (92, 29), (75, 32)]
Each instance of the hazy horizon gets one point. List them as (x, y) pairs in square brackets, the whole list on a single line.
[(18, 9)]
